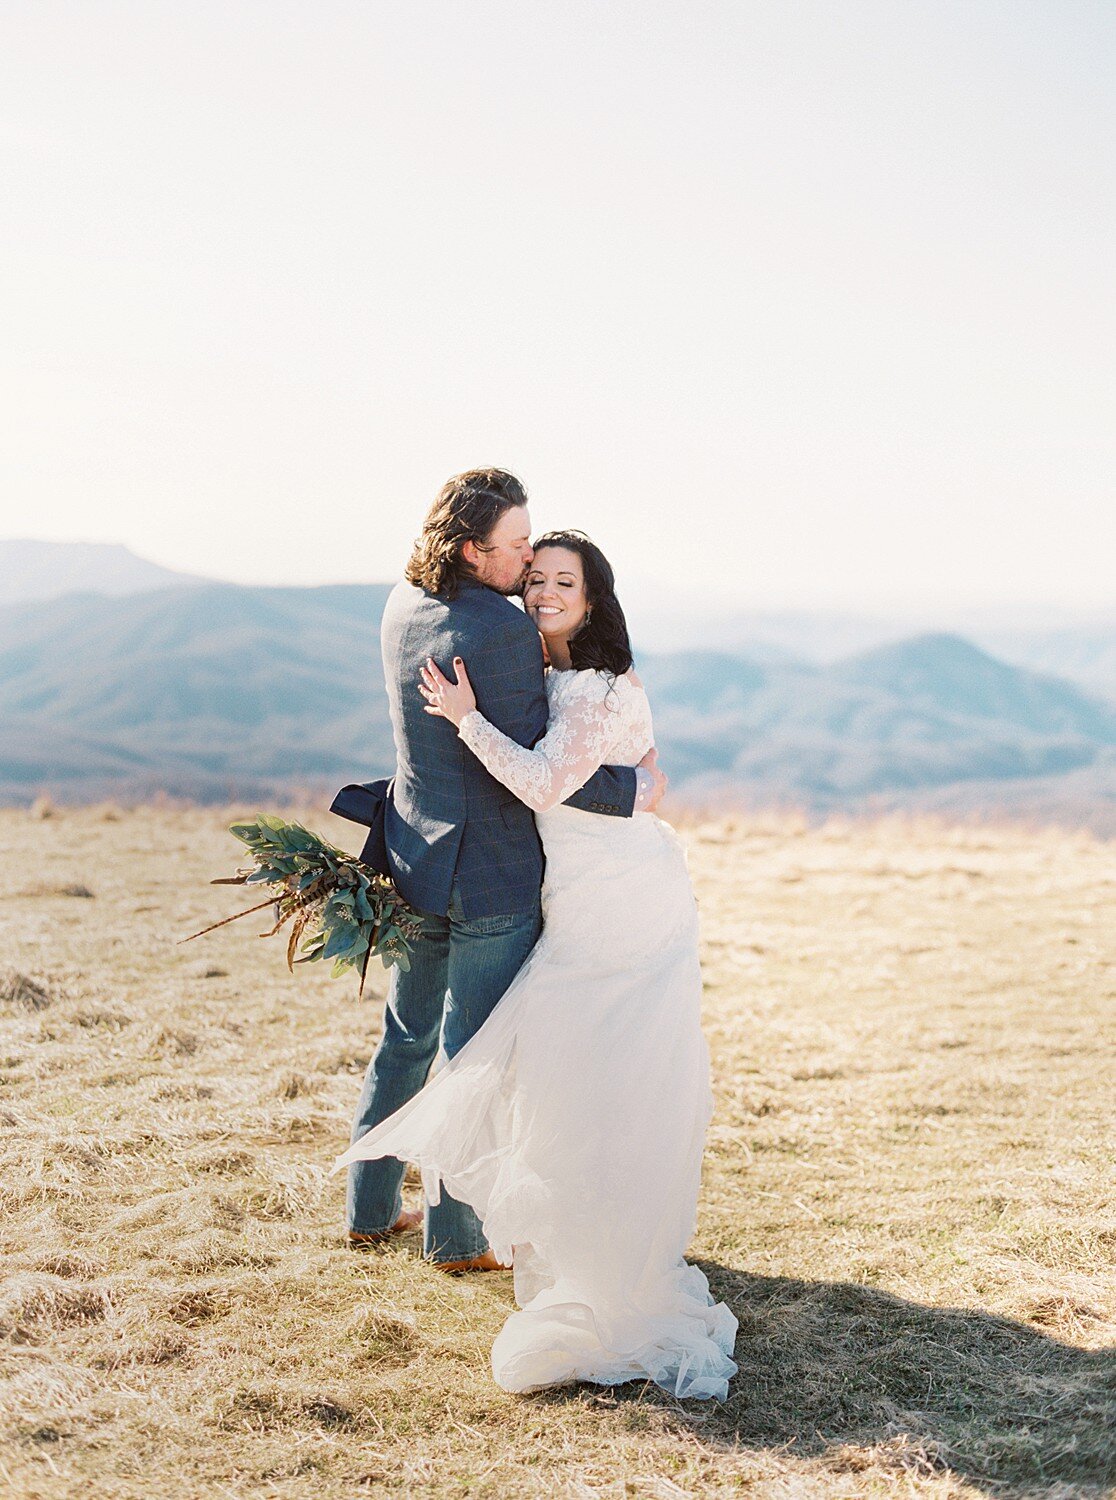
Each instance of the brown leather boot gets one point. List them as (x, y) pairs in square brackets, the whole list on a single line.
[(485, 1262), (410, 1218)]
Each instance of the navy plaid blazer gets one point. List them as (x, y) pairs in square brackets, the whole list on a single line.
[(448, 819)]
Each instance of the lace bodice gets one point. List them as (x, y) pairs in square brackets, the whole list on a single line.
[(595, 720)]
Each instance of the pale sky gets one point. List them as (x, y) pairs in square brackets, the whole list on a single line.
[(806, 303)]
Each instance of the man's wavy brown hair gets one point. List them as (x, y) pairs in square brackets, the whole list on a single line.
[(466, 510)]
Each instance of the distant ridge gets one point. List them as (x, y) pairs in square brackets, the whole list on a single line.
[(32, 570), (946, 673), (1080, 646), (220, 692), (203, 692), (931, 712)]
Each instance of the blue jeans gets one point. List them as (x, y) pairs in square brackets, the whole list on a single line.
[(459, 970)]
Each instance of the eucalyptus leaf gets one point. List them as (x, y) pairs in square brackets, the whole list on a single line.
[(336, 942)]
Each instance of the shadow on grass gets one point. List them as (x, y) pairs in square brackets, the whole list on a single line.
[(829, 1370)]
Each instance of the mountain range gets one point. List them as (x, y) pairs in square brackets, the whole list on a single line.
[(221, 692), (1077, 644), (32, 569)]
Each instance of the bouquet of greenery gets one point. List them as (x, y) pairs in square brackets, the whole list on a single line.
[(352, 913)]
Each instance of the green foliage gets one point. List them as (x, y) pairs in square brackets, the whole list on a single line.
[(341, 909)]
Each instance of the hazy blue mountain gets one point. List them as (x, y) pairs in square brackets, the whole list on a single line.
[(930, 711), (220, 652), (1077, 645), (44, 570), (778, 637), (207, 689), (1080, 646), (946, 674), (701, 682), (1085, 653), (219, 691)]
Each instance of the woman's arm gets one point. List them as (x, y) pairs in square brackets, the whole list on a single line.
[(574, 747)]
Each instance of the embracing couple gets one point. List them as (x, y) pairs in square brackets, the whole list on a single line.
[(562, 1133)]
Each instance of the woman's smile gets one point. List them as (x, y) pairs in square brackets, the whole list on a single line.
[(554, 595)]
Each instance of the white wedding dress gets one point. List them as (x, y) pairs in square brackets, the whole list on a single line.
[(574, 1121)]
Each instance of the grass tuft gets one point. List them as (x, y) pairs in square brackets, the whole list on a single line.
[(34, 1303), (23, 991)]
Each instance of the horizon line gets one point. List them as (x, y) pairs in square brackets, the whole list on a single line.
[(877, 608)]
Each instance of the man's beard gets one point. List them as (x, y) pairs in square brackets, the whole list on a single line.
[(515, 590)]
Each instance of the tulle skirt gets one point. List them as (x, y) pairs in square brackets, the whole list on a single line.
[(574, 1123)]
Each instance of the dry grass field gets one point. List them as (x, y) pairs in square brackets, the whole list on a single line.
[(909, 1200)]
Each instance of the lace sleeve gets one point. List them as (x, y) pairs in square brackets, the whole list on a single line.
[(576, 742)]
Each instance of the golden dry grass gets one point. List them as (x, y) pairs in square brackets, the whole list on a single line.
[(909, 1195)]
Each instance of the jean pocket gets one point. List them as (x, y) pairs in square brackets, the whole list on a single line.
[(492, 926)]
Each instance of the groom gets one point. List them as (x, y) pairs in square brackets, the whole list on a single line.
[(463, 850)]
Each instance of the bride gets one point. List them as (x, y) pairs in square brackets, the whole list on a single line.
[(574, 1120)]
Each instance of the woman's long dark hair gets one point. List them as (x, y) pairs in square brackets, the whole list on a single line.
[(602, 643)]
